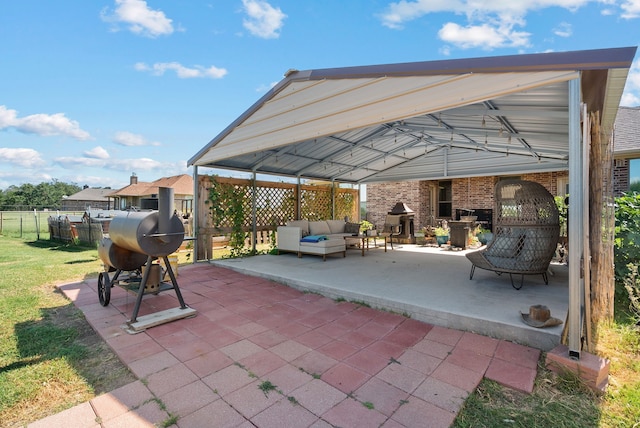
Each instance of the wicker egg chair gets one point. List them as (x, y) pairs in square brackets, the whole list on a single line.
[(526, 232)]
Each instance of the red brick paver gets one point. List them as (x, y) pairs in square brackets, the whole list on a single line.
[(263, 354)]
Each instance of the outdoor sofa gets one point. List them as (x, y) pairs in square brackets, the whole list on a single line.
[(315, 237)]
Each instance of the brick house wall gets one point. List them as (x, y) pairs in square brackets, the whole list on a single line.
[(381, 198), (471, 193), (621, 176)]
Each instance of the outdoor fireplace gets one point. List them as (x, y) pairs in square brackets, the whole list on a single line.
[(406, 215)]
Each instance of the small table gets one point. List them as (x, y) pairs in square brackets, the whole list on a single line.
[(363, 241)]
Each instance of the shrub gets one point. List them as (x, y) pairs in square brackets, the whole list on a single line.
[(632, 285), (627, 240)]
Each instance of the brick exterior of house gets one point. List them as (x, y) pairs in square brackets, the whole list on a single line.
[(621, 176), (477, 192), (421, 196)]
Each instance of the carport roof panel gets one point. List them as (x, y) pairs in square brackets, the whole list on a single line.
[(353, 123)]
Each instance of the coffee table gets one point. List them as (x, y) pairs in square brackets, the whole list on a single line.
[(363, 241)]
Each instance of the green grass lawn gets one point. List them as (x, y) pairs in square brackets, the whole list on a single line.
[(50, 358)]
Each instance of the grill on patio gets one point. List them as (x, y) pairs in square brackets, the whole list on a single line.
[(136, 240), (406, 215)]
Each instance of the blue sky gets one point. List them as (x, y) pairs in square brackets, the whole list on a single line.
[(91, 91)]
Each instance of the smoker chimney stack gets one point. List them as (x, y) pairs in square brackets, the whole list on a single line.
[(133, 179)]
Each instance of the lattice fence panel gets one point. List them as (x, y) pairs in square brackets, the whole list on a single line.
[(243, 194), (346, 204), (274, 205), (315, 203)]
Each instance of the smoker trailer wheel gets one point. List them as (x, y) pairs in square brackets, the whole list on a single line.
[(104, 289)]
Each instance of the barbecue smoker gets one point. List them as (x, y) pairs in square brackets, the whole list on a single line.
[(406, 215), (136, 241)]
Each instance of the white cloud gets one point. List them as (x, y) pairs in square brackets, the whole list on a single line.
[(263, 20), (482, 36), (265, 88), (45, 125), (140, 18), (132, 140), (630, 100), (16, 177), (139, 164), (158, 69), (73, 162), (24, 158), (564, 29), (97, 153), (94, 181), (631, 94), (631, 9), (399, 13), (490, 23)]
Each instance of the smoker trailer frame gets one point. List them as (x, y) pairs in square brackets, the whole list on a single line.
[(136, 240)]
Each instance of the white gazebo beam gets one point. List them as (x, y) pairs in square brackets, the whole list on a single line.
[(576, 207)]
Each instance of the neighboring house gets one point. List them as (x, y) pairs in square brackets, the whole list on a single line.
[(626, 146), (86, 199), (142, 195)]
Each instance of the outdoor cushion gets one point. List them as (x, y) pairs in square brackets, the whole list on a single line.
[(302, 224), (509, 246), (353, 228), (336, 226), (314, 238), (319, 228)]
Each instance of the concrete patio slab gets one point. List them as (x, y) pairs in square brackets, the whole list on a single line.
[(427, 283)]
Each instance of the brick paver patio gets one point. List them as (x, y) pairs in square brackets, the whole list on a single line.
[(262, 354)]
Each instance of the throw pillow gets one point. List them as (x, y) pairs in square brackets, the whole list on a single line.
[(352, 228)]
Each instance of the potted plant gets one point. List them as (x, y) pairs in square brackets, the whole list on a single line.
[(367, 228), (484, 236), (442, 235)]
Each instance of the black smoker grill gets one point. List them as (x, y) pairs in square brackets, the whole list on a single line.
[(136, 240), (406, 215)]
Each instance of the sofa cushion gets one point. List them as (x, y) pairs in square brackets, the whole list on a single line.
[(507, 246), (319, 228), (352, 228), (302, 224), (336, 226)]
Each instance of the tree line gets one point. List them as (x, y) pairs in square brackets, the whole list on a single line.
[(28, 196)]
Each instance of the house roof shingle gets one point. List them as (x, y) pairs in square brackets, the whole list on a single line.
[(181, 185), (91, 195), (627, 133)]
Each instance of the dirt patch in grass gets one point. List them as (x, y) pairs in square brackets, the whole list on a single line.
[(76, 371), (102, 369)]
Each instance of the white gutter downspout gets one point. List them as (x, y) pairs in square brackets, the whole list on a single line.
[(194, 214), (254, 211), (576, 235)]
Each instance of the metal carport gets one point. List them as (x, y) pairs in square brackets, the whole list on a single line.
[(434, 120)]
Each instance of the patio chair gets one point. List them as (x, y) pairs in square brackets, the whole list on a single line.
[(526, 234), (391, 228)]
